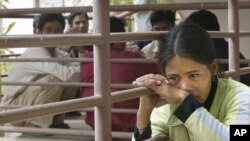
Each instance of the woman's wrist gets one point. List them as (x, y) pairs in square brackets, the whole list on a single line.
[(143, 119)]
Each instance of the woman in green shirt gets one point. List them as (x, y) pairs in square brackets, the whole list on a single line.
[(192, 101)]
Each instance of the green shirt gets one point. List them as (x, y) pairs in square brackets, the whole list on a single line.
[(230, 105)]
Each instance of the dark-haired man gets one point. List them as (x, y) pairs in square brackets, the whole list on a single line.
[(79, 23), (45, 72), (160, 21)]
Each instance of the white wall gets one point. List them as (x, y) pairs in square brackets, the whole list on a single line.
[(22, 26), (223, 20)]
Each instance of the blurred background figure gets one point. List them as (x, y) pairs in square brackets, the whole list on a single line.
[(208, 20), (120, 73), (160, 21), (79, 23), (141, 23)]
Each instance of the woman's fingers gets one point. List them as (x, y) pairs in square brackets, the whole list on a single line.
[(150, 80)]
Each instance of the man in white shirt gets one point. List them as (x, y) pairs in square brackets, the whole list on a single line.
[(45, 72)]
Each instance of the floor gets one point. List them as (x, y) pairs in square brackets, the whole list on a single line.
[(73, 122)]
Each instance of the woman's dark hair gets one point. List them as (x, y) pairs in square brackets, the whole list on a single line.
[(44, 18), (72, 16), (189, 41), (205, 19)]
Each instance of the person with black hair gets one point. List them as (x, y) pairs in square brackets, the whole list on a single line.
[(120, 73), (50, 24), (161, 20), (192, 100), (35, 24), (45, 72), (208, 20), (78, 23)]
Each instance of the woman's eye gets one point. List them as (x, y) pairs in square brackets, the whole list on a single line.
[(173, 79)]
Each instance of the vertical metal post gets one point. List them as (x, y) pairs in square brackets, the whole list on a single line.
[(102, 70), (0, 80), (233, 26)]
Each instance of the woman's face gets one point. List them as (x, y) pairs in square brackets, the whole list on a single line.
[(191, 76), (80, 24)]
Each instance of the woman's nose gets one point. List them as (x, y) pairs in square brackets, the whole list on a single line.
[(185, 84)]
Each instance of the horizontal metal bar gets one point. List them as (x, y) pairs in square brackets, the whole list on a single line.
[(68, 132), (113, 60), (67, 106), (21, 11), (129, 94), (113, 110), (244, 34), (134, 8), (57, 40), (49, 109), (73, 84), (49, 40), (245, 70)]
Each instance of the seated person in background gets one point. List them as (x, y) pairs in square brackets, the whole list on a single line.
[(192, 100), (160, 21), (35, 24), (120, 73), (208, 20), (46, 72), (79, 23)]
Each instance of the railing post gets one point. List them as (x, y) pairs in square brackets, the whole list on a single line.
[(102, 70), (233, 26)]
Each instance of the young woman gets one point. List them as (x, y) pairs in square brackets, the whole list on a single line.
[(192, 101)]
